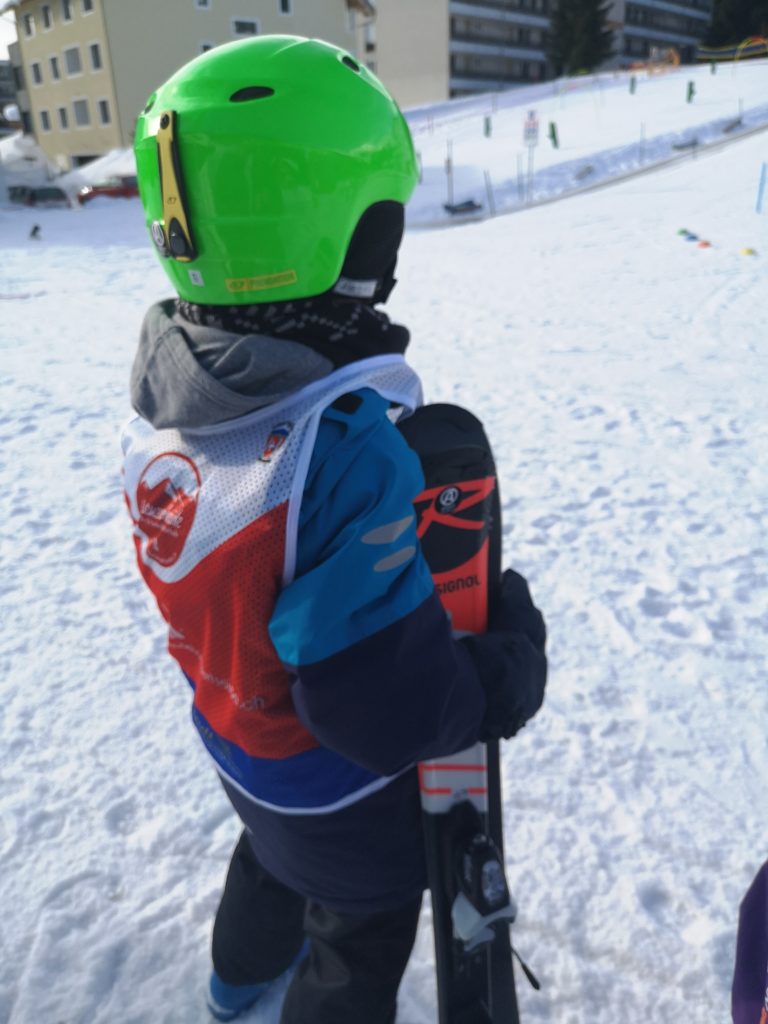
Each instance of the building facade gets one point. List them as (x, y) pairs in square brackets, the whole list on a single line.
[(7, 93), (84, 68), (496, 44), (438, 49), (432, 50), (646, 26)]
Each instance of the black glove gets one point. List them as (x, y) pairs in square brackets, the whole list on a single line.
[(510, 660)]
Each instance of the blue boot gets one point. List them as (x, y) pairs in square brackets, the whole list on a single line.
[(226, 1002)]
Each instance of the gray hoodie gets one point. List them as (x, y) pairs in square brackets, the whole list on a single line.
[(187, 375)]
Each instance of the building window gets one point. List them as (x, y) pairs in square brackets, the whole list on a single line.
[(54, 65), (104, 113), (95, 52), (63, 119), (45, 121), (72, 60), (37, 73), (29, 25), (286, 7), (18, 78), (82, 113), (202, 5), (45, 10), (66, 10), (244, 27), (205, 47), (87, 6)]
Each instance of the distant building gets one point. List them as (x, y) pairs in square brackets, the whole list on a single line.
[(436, 49), (643, 27), (7, 92), (84, 68), (430, 50), (7, 84)]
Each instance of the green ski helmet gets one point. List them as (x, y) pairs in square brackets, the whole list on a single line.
[(257, 160)]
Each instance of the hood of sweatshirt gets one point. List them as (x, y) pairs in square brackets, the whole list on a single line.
[(188, 375)]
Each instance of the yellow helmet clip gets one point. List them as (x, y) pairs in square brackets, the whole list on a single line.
[(172, 235)]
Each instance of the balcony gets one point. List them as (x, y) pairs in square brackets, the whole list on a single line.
[(533, 12), (472, 42), (691, 8), (666, 37)]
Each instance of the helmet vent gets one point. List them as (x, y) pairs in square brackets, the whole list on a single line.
[(150, 103), (251, 92), (351, 64)]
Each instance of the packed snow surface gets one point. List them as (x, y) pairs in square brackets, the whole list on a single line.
[(620, 370)]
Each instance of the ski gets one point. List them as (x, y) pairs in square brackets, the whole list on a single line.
[(459, 525)]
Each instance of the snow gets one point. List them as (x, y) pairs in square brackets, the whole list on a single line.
[(620, 373), (22, 162), (114, 164)]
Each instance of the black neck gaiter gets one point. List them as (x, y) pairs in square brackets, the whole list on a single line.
[(341, 330)]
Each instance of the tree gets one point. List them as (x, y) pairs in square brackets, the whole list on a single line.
[(579, 39), (733, 21)]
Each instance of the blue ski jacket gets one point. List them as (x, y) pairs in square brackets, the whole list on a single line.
[(323, 667)]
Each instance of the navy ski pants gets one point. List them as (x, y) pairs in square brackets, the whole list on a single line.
[(355, 963)]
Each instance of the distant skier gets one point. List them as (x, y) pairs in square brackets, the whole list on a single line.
[(750, 979), (271, 498)]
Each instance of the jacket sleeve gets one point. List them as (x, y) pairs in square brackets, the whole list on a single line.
[(377, 675)]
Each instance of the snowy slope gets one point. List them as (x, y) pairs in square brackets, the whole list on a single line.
[(604, 130), (620, 372)]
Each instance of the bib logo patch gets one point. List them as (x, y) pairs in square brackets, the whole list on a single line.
[(166, 498), (277, 438)]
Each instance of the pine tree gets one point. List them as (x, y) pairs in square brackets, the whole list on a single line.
[(733, 21), (579, 38)]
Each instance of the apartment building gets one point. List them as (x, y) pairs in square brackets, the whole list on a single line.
[(7, 84), (436, 49), (7, 93), (431, 50), (648, 25), (84, 68)]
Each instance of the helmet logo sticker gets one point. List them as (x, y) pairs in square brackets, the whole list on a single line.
[(260, 284), (196, 278), (166, 499), (277, 438)]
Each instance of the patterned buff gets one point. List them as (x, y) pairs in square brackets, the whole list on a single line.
[(339, 329)]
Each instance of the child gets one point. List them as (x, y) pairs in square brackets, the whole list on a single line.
[(271, 497)]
